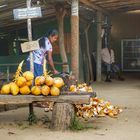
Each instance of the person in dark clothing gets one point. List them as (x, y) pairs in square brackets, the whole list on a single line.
[(108, 59)]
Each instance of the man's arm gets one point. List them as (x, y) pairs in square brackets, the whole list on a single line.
[(50, 61), (112, 56)]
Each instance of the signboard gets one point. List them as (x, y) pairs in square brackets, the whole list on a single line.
[(29, 46), (26, 13), (75, 8)]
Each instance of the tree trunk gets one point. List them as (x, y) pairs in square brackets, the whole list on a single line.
[(62, 116), (60, 12), (89, 56), (75, 38), (99, 45)]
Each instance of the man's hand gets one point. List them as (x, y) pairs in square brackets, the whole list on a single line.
[(56, 72)]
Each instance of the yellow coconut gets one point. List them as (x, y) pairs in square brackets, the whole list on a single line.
[(45, 90), (73, 88), (20, 81), (28, 75), (36, 90), (29, 83), (5, 89), (58, 82), (49, 81), (89, 89), (55, 91), (14, 88), (111, 115), (25, 90), (39, 80)]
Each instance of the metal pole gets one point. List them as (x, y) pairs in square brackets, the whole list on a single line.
[(29, 28)]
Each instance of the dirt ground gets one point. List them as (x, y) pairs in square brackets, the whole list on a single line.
[(126, 94)]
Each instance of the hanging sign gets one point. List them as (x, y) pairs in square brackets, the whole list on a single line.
[(26, 13), (75, 8), (29, 46)]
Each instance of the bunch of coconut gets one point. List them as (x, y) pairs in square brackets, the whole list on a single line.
[(80, 88), (98, 108), (21, 83), (46, 84)]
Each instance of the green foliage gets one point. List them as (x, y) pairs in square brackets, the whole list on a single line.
[(32, 119), (45, 119), (78, 125)]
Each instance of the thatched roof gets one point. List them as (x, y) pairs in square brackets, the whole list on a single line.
[(48, 10)]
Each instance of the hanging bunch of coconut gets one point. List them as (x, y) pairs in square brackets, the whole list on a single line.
[(81, 88), (20, 84), (97, 107)]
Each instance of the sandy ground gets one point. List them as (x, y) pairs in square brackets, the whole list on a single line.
[(126, 94)]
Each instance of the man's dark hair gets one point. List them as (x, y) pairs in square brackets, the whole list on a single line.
[(42, 42), (52, 32)]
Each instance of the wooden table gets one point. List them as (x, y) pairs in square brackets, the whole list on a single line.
[(63, 110)]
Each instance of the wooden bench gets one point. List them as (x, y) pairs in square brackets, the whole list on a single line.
[(63, 111)]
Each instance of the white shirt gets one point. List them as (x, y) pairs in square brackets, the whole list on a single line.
[(107, 57), (38, 55)]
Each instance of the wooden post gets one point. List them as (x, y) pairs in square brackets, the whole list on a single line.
[(89, 54), (75, 38), (99, 45), (62, 116), (60, 12), (29, 28)]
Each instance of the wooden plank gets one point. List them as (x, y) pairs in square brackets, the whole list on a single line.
[(92, 94), (73, 98), (29, 46), (94, 6)]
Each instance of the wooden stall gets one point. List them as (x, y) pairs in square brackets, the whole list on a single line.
[(63, 110)]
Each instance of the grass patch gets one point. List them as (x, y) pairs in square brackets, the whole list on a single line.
[(32, 119), (77, 125), (45, 119)]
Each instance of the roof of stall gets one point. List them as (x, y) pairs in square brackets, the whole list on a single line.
[(48, 10)]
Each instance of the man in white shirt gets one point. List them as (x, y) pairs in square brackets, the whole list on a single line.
[(45, 49), (108, 59)]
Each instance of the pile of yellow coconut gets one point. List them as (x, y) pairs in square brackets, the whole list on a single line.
[(97, 107), (24, 83), (81, 88)]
